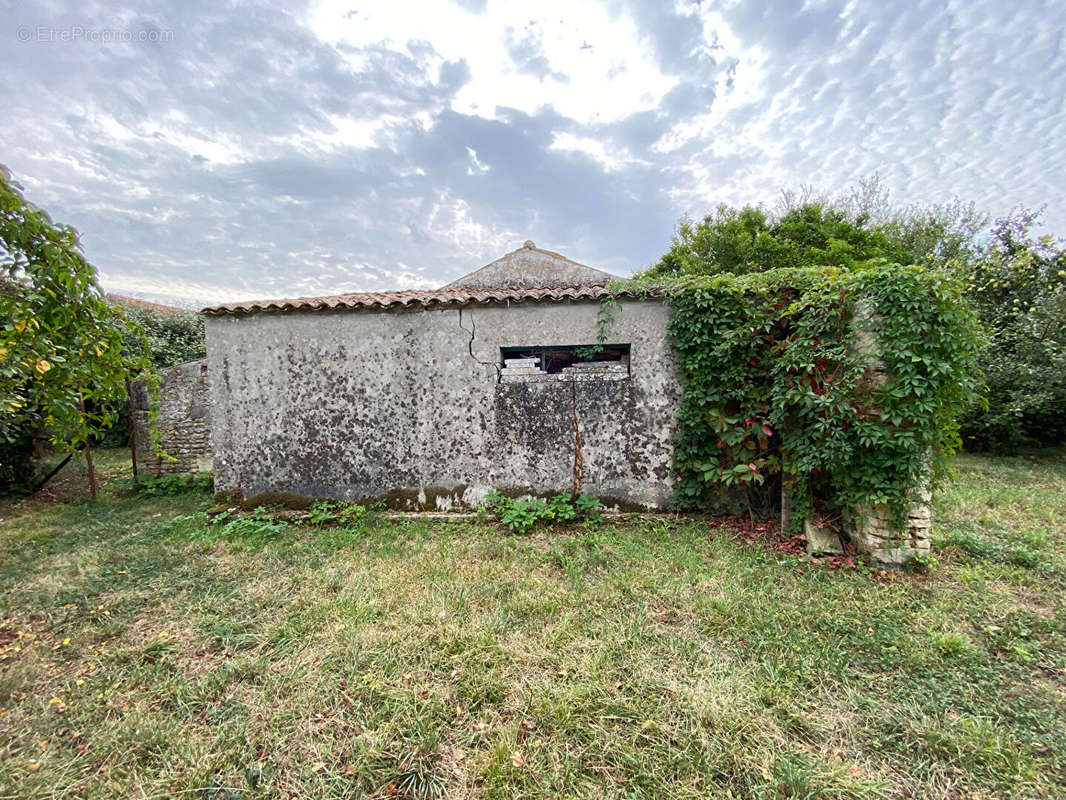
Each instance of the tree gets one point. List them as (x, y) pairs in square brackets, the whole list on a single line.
[(1017, 284), (63, 369), (746, 240), (807, 228), (1014, 280)]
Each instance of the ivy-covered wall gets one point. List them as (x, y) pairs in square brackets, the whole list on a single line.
[(839, 387)]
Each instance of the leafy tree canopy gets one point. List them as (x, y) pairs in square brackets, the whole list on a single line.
[(749, 239), (807, 229), (1013, 278), (1017, 285), (62, 364)]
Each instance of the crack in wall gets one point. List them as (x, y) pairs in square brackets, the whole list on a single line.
[(470, 347)]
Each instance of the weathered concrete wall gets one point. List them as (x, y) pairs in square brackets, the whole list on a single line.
[(410, 405), (184, 421)]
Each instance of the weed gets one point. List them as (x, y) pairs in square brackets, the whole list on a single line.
[(522, 515), (327, 513), (921, 563), (167, 484), (253, 529)]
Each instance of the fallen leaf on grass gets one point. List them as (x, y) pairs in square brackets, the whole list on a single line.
[(518, 759)]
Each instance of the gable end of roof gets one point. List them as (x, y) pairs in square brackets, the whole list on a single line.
[(532, 267)]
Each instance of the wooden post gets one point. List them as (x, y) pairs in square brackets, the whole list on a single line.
[(133, 426), (786, 507)]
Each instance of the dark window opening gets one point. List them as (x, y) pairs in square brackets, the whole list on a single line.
[(555, 359)]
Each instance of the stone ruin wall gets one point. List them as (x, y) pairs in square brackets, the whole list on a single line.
[(184, 422)]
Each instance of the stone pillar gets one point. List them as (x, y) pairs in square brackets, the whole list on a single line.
[(871, 527), (872, 532)]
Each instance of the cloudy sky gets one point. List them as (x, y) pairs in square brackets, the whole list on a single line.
[(211, 151)]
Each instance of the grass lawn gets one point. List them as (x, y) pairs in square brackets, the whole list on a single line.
[(145, 654)]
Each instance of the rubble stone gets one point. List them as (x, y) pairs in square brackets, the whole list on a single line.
[(821, 538), (183, 422)]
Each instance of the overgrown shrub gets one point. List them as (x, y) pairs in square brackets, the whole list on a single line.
[(1013, 279), (778, 381), (174, 335), (744, 240)]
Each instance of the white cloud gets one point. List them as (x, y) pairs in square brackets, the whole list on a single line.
[(610, 72)]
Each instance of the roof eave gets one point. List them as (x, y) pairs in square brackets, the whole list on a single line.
[(384, 301)]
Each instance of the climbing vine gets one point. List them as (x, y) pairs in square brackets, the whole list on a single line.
[(844, 385)]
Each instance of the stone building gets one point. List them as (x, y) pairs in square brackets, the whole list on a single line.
[(429, 399), (514, 377)]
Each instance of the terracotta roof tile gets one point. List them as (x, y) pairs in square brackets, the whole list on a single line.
[(412, 299), (138, 303)]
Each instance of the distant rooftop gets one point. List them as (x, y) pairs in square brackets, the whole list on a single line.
[(136, 302), (530, 267)]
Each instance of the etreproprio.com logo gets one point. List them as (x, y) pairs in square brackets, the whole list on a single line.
[(78, 33)]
